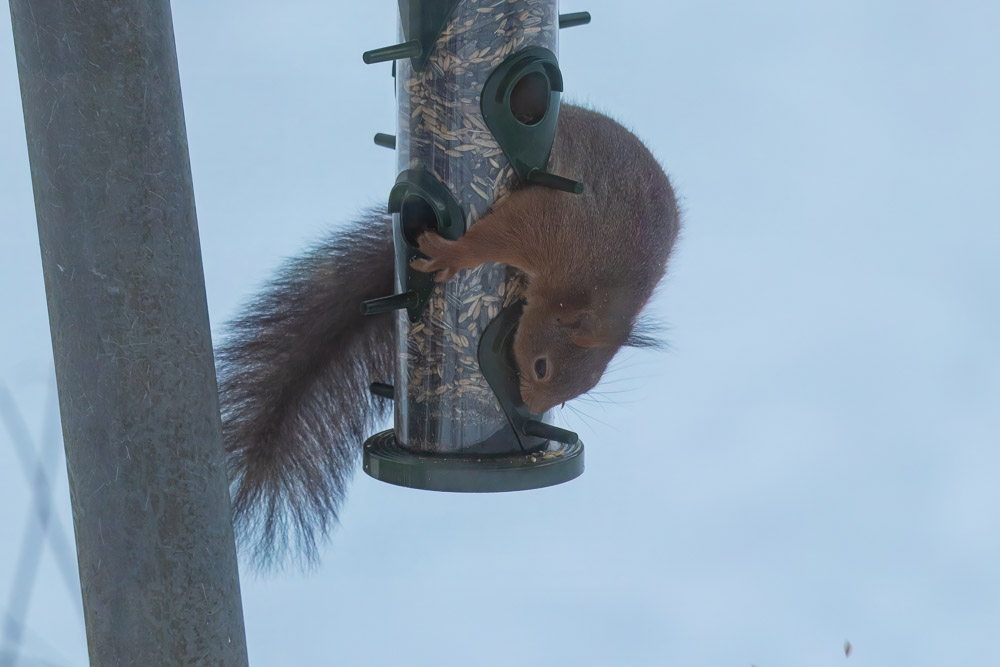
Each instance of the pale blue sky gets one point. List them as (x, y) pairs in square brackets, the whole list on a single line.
[(816, 459)]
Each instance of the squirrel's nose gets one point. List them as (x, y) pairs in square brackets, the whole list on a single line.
[(538, 405)]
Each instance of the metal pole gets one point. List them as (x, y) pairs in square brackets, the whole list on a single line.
[(130, 331)]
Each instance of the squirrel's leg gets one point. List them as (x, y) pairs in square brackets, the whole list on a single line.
[(486, 241)]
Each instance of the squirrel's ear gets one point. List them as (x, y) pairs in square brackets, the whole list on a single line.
[(586, 330), (588, 341)]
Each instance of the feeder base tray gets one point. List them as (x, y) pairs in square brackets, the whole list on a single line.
[(385, 460)]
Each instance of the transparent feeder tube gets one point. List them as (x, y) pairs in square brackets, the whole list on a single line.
[(444, 404)]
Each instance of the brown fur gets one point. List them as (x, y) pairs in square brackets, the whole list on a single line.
[(294, 373)]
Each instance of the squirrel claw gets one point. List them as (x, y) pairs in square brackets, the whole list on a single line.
[(431, 266), (423, 265), (443, 275), (437, 250), (434, 245)]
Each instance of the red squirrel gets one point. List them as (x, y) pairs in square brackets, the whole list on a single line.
[(592, 260), (296, 366)]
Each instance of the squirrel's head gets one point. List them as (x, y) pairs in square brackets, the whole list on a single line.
[(561, 352)]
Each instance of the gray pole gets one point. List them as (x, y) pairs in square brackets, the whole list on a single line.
[(130, 332)]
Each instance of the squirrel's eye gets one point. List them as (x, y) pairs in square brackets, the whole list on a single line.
[(541, 366)]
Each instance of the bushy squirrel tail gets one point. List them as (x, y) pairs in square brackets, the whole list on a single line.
[(294, 375)]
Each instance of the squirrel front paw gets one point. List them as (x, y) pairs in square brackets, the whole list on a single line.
[(441, 257)]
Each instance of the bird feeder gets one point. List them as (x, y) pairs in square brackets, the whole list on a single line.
[(477, 90)]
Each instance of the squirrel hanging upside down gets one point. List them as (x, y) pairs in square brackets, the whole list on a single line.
[(295, 369)]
